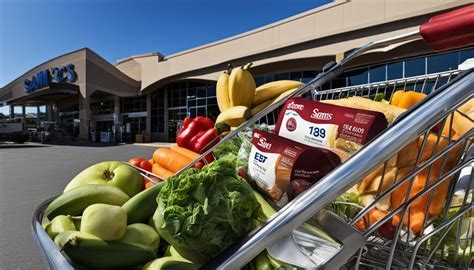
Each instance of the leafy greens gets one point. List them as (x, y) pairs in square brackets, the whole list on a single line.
[(201, 212)]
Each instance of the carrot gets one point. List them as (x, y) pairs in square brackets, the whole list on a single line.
[(151, 161), (183, 151), (170, 160), (148, 185), (439, 197), (376, 215), (161, 172), (399, 194), (360, 224), (417, 216), (186, 152)]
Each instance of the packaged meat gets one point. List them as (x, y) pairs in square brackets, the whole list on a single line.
[(319, 124), (283, 168)]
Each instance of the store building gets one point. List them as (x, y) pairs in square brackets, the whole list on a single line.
[(80, 95)]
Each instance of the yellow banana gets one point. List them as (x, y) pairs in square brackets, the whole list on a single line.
[(273, 89), (222, 91), (269, 102), (241, 86), (234, 116), (261, 106)]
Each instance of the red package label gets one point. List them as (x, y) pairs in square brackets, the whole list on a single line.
[(319, 124)]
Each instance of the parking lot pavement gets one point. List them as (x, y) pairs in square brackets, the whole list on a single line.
[(31, 173)]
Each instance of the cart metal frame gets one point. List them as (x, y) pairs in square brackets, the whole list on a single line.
[(377, 252)]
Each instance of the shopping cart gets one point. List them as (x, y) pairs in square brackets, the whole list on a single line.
[(403, 250), (369, 248)]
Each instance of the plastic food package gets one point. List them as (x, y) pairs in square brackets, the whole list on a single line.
[(283, 169)]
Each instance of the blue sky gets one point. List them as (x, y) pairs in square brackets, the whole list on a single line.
[(33, 31)]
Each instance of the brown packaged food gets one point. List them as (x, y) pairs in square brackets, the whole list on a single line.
[(283, 168)]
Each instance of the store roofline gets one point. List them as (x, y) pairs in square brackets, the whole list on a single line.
[(260, 29), (234, 37), (160, 57)]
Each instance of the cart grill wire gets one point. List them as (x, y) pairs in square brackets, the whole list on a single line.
[(434, 174)]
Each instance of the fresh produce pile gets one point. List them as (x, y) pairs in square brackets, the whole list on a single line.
[(110, 216)]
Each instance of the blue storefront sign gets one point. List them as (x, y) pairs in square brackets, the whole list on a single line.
[(56, 74)]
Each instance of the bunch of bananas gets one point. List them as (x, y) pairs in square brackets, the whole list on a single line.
[(239, 98)]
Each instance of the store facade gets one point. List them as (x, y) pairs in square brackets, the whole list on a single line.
[(83, 96)]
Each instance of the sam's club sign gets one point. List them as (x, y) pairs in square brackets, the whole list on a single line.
[(56, 74)]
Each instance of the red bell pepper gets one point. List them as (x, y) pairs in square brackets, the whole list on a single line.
[(186, 123), (188, 133), (209, 136), (205, 121), (193, 141)]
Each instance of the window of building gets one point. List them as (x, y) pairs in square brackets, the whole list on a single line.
[(4, 113), (66, 120), (466, 54), (183, 99), (133, 104), (102, 107), (414, 67), (378, 73), (442, 62), (356, 77), (158, 111), (394, 70)]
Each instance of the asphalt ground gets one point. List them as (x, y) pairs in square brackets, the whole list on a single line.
[(32, 173)]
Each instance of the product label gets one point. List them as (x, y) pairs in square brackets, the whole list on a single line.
[(262, 167), (274, 162), (319, 124), (313, 134)]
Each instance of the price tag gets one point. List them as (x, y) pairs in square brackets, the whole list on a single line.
[(295, 128)]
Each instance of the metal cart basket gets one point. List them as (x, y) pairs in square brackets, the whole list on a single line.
[(370, 247)]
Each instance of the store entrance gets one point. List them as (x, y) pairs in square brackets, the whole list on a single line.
[(104, 131), (133, 126), (175, 121)]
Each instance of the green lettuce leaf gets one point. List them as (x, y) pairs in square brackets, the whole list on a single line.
[(201, 212)]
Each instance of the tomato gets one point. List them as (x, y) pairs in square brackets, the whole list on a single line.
[(141, 163)]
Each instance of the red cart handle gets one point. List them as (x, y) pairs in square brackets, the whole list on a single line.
[(450, 30)]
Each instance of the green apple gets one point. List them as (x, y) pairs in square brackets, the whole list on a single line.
[(108, 222), (139, 233), (114, 173)]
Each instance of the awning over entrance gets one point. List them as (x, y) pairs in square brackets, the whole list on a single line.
[(53, 92)]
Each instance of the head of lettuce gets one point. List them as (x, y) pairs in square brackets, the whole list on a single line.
[(201, 212)]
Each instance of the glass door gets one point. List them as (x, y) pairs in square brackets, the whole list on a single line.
[(175, 119)]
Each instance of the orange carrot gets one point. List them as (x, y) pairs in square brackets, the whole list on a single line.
[(161, 172), (151, 161), (376, 215), (148, 185), (360, 224), (183, 151), (186, 152), (170, 160), (417, 216), (398, 195)]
